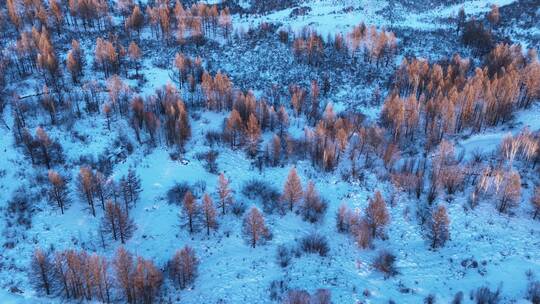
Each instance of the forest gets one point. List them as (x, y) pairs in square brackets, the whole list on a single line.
[(265, 151)]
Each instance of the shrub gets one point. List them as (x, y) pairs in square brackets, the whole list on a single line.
[(176, 194), (283, 255), (321, 296), (458, 298), (430, 299), (363, 234), (277, 288), (533, 292), (267, 194), (238, 208), (384, 262), (20, 209), (209, 158), (484, 295), (476, 36), (213, 137), (315, 243), (199, 188), (297, 297), (313, 207)]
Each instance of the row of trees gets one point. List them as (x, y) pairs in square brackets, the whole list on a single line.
[(168, 21), (254, 227), (115, 198), (162, 115), (40, 148), (372, 44), (35, 52), (311, 205), (370, 226), (199, 20), (52, 14), (364, 228), (446, 172), (366, 42), (443, 100), (78, 275)]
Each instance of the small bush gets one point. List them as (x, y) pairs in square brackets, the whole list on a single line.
[(283, 36), (297, 297), (210, 160), (315, 243), (533, 292), (458, 298), (252, 188), (313, 209), (19, 209), (277, 289), (476, 36), (213, 137), (321, 296), (199, 188), (238, 208), (363, 235), (484, 295), (384, 262), (430, 299), (176, 194), (284, 256), (263, 191)]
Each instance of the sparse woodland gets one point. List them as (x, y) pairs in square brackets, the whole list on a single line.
[(91, 90)]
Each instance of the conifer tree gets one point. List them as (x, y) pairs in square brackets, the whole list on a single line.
[(255, 227), (42, 272), (190, 208), (376, 214), (58, 192), (224, 192), (183, 267), (253, 134), (85, 187), (209, 213), (439, 227), (535, 201), (135, 56), (292, 190)]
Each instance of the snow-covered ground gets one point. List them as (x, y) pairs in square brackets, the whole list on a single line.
[(485, 249), (333, 16)]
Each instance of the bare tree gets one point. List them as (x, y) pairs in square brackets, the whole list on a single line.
[(209, 213), (147, 280), (440, 222), (190, 208), (44, 143), (130, 186), (85, 187), (58, 192), (376, 214), (224, 192), (124, 269), (535, 201), (117, 222), (41, 272), (313, 207), (510, 190), (135, 56)]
